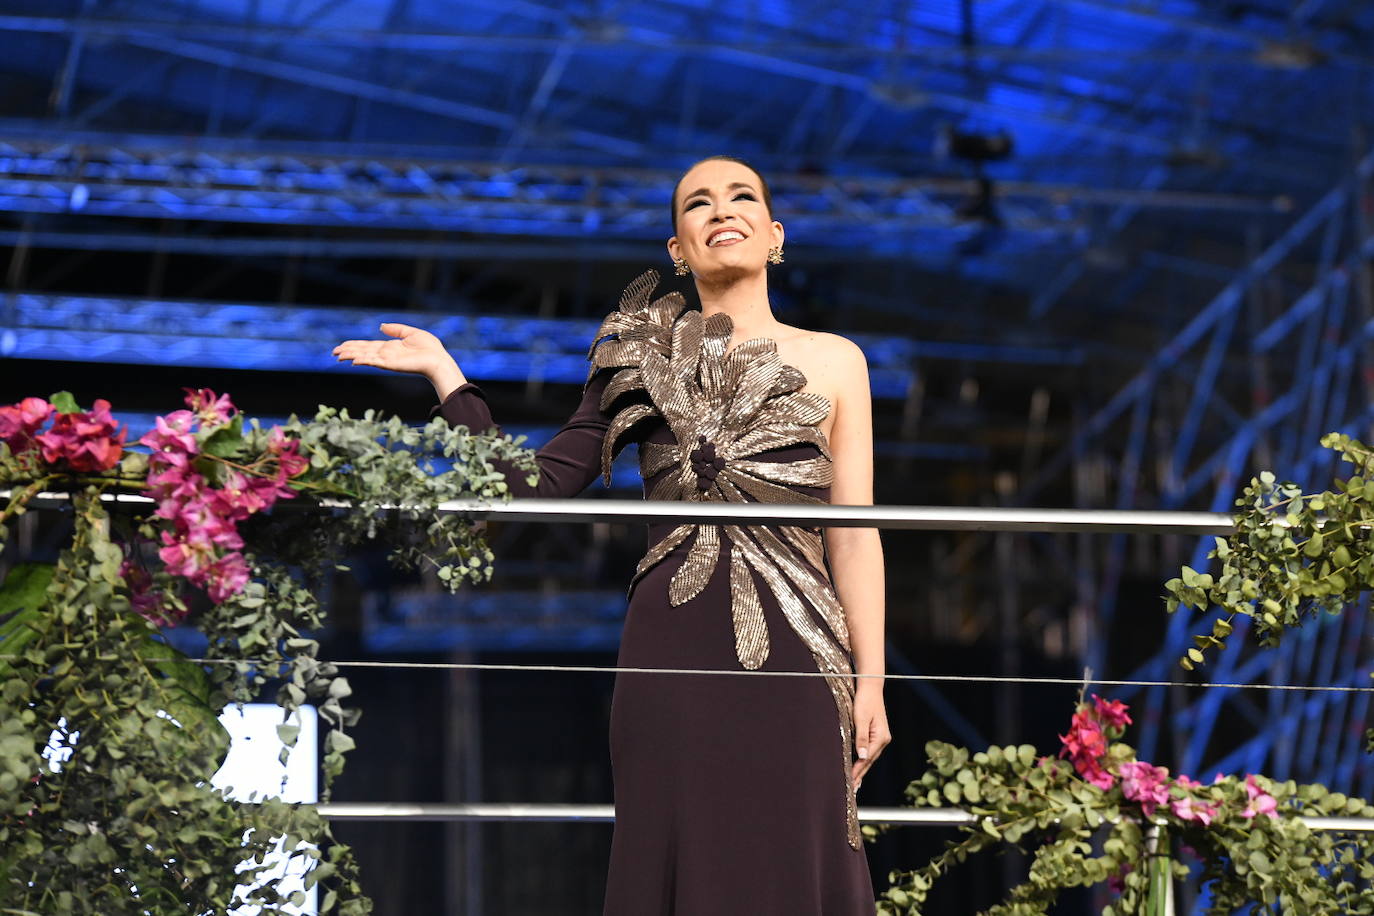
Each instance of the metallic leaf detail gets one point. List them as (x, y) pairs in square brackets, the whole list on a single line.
[(655, 456), (809, 543), (695, 571), (618, 427), (751, 629), (809, 472), (622, 383), (656, 553), (766, 492)]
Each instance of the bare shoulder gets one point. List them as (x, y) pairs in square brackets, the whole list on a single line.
[(821, 350)]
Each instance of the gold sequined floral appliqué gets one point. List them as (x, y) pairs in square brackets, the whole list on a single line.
[(725, 408)]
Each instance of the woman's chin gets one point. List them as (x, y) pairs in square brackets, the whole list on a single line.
[(727, 270)]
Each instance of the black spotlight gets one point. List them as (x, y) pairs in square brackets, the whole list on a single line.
[(971, 147)]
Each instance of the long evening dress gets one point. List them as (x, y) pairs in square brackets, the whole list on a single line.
[(732, 792)]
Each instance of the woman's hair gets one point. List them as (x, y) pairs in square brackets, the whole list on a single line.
[(763, 185)]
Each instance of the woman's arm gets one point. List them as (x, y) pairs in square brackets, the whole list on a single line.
[(856, 554), (567, 463)]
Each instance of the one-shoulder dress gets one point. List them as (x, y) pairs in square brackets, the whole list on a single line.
[(732, 792)]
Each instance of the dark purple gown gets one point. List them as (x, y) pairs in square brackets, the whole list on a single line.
[(732, 792)]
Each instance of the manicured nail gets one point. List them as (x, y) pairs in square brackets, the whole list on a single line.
[(863, 753)]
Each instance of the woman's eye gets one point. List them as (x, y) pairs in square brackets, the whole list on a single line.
[(694, 204), (744, 195)]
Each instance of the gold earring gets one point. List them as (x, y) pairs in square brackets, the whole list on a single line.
[(775, 255), (680, 267)]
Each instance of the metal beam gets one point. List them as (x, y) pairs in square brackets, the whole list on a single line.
[(763, 57), (448, 42), (1229, 299), (537, 813), (279, 338), (905, 518)]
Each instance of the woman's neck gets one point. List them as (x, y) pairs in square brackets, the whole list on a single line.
[(745, 300)]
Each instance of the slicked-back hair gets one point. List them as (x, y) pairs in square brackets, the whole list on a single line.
[(763, 184)]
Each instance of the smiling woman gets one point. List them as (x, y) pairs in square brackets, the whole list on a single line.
[(734, 795)]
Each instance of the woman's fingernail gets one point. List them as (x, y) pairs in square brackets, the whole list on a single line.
[(863, 753)]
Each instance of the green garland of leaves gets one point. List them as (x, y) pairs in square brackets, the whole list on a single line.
[(1079, 835), (1292, 558), (128, 823)]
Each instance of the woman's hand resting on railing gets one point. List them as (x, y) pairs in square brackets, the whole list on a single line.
[(413, 350)]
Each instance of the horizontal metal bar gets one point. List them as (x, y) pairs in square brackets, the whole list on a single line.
[(605, 814), (928, 518), (599, 814), (912, 518)]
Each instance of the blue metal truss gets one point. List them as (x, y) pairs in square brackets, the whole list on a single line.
[(280, 338), (1321, 345), (155, 177), (848, 106)]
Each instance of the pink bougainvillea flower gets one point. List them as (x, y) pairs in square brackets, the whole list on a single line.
[(226, 577), (19, 422), (1261, 802), (86, 442), (200, 521), (1085, 745), (184, 556), (1145, 783), (287, 453), (212, 411), (1190, 808), (203, 542), (171, 438), (1098, 776), (1111, 713)]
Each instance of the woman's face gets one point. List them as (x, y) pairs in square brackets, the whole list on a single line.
[(723, 225)]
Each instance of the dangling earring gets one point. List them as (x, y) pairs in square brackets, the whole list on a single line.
[(680, 267), (775, 255)]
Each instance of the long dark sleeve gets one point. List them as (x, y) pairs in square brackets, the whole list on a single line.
[(567, 463)]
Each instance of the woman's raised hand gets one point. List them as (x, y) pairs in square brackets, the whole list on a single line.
[(412, 350)]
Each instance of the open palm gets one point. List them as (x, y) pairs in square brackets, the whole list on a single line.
[(411, 349)]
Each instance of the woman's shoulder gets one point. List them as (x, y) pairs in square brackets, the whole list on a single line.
[(827, 350)]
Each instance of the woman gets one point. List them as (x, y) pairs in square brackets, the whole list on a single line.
[(734, 794)]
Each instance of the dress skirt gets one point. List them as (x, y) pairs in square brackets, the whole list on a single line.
[(730, 797)]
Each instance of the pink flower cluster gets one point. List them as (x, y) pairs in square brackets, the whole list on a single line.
[(1086, 745), (84, 442), (19, 423), (203, 542), (1261, 802), (1144, 783)]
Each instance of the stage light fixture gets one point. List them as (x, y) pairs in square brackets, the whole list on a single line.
[(972, 147)]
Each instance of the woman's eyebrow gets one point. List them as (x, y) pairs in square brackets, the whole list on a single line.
[(706, 192)]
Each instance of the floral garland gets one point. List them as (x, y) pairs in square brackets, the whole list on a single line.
[(128, 821), (1105, 817)]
